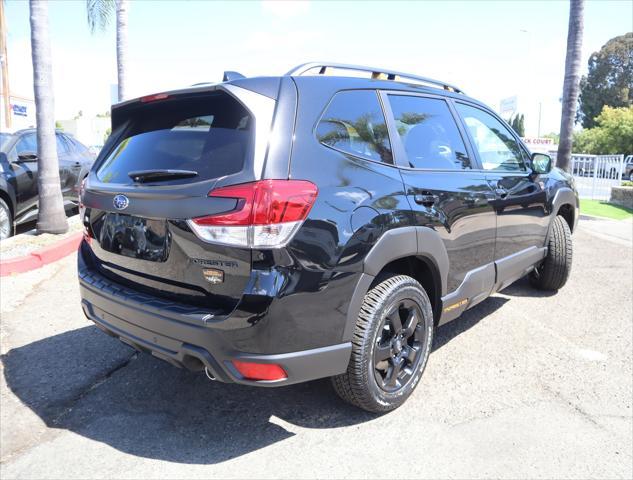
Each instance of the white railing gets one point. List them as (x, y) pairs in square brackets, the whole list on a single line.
[(596, 174)]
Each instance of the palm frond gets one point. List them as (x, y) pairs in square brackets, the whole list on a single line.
[(99, 13)]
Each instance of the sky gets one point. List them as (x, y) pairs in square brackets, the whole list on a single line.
[(492, 50)]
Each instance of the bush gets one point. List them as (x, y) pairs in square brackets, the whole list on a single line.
[(612, 135)]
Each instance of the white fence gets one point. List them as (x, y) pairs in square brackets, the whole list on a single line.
[(596, 174)]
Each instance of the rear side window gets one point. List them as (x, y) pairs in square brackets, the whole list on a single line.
[(428, 132), (210, 135), (354, 123)]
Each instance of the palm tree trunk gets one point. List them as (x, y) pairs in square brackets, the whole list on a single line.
[(121, 46), (571, 84), (51, 217)]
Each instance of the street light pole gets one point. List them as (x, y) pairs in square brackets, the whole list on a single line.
[(5, 66)]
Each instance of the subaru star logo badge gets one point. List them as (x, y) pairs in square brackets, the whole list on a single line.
[(120, 202)]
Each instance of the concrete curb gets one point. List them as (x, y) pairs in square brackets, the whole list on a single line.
[(584, 216), (41, 257)]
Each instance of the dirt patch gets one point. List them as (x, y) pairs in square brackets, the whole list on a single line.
[(28, 242)]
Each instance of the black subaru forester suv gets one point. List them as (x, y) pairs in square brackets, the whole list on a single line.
[(276, 230)]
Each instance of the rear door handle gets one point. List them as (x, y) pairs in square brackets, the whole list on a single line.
[(425, 199)]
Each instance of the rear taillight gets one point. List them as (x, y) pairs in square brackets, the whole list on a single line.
[(82, 189), (267, 214), (82, 211)]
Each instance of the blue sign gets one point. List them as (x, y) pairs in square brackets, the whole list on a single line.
[(19, 110)]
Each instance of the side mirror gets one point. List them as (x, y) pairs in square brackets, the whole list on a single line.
[(541, 163), (26, 157)]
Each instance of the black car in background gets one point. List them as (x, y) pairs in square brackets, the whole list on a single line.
[(627, 173), (18, 175)]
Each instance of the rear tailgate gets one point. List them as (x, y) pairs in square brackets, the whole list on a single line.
[(138, 229)]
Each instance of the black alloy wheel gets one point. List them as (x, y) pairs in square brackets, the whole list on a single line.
[(391, 343), (398, 348)]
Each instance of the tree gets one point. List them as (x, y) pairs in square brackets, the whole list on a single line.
[(571, 82), (609, 81), (613, 133), (518, 124), (99, 15), (51, 215)]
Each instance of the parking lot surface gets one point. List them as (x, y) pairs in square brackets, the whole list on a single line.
[(526, 384)]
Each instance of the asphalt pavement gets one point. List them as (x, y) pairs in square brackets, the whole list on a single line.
[(525, 385)]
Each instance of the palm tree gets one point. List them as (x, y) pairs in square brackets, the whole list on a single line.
[(51, 217), (99, 15), (571, 87)]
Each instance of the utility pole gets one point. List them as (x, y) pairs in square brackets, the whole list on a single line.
[(5, 67)]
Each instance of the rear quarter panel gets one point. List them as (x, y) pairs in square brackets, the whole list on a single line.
[(358, 201)]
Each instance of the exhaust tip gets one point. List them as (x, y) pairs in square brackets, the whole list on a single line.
[(210, 376)]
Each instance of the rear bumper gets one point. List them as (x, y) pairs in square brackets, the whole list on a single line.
[(180, 335)]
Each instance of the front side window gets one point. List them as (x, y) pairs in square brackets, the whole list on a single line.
[(27, 144), (354, 123), (428, 132), (5, 139), (497, 147)]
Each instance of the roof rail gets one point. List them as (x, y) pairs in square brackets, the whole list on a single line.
[(375, 73)]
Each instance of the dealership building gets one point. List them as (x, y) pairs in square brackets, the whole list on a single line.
[(21, 112)]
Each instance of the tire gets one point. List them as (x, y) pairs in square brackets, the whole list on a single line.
[(631, 177), (378, 347), (6, 221), (553, 273)]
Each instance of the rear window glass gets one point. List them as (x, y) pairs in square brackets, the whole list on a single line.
[(354, 123), (211, 135), (63, 148), (78, 146)]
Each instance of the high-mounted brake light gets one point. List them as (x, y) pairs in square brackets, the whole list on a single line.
[(267, 213), (154, 97)]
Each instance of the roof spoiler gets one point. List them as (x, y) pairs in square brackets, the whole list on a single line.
[(229, 76)]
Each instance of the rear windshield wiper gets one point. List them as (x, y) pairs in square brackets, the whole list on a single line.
[(160, 174)]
